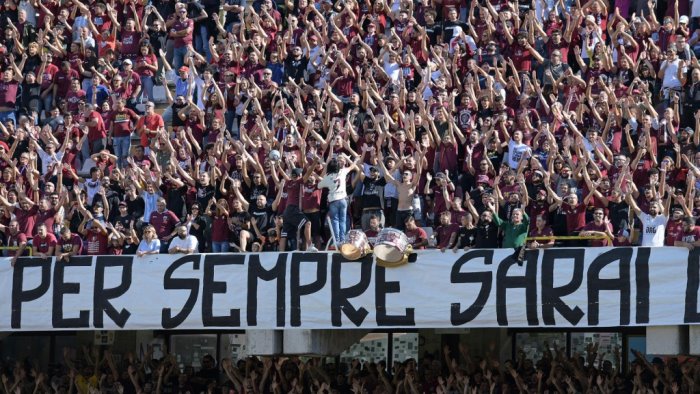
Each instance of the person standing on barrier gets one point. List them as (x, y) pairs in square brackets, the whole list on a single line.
[(406, 189)]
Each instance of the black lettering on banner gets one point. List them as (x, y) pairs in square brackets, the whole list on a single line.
[(691, 288), (552, 296), (257, 271), (641, 269), (623, 257), (19, 294), (61, 288), (192, 284), (485, 278), (296, 289), (527, 282), (211, 287), (381, 289), (340, 296), (101, 296)]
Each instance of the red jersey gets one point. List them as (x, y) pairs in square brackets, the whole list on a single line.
[(600, 228), (98, 131), (8, 93), (26, 219), (219, 229), (690, 237), (416, 236)]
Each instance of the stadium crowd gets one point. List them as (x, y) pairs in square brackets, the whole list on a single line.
[(464, 124), (95, 372)]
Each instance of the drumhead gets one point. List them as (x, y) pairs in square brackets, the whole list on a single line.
[(388, 253), (350, 252)]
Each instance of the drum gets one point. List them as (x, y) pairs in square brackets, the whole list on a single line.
[(392, 247), (356, 245)]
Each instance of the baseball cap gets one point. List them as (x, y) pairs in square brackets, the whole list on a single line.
[(296, 171), (122, 203), (127, 61), (184, 69), (683, 19)]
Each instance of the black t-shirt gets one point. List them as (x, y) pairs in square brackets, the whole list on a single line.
[(262, 217), (177, 122), (486, 235), (204, 194), (136, 206), (294, 68), (618, 212), (371, 192), (433, 32), (466, 237)]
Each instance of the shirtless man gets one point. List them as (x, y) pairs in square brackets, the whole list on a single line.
[(406, 188)]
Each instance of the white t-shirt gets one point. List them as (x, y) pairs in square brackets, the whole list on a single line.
[(335, 183), (653, 229), (515, 152), (190, 242)]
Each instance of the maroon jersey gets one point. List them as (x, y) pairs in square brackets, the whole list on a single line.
[(164, 222), (96, 242), (74, 244), (219, 229), (673, 229), (603, 227), (8, 93), (47, 217), (311, 198)]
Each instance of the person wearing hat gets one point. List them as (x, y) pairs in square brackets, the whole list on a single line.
[(131, 82)]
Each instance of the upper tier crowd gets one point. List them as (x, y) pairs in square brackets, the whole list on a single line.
[(464, 124)]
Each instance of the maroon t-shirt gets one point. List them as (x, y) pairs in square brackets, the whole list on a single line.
[(26, 219), (443, 234), (601, 228), (311, 198), (130, 43), (75, 243), (42, 244), (179, 26), (690, 237), (122, 122), (164, 222), (47, 217), (293, 189), (219, 229), (673, 228), (575, 217), (371, 236), (62, 80), (14, 241), (8, 93)]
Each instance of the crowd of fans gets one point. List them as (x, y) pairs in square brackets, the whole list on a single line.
[(465, 124), (459, 372)]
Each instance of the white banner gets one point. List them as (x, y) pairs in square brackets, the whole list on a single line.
[(562, 287)]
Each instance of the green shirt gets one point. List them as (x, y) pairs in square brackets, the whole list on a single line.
[(513, 234)]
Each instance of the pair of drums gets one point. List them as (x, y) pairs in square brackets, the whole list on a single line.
[(390, 250)]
